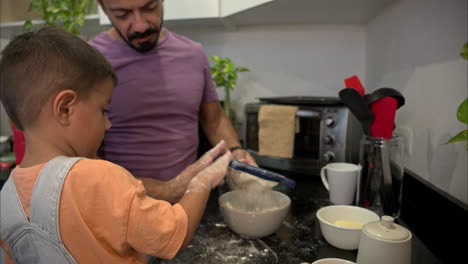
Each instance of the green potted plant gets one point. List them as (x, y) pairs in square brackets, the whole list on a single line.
[(66, 14), (462, 112), (224, 73)]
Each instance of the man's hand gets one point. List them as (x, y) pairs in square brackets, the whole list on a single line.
[(243, 155)]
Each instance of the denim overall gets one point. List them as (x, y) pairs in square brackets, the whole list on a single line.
[(38, 240)]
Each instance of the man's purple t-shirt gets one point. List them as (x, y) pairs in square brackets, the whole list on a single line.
[(154, 108)]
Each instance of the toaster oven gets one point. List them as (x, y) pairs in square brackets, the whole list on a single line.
[(328, 132)]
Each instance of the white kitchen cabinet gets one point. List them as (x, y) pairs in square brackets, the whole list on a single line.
[(190, 9), (181, 10), (183, 13), (233, 13)]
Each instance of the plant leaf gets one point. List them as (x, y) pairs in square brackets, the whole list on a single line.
[(27, 25), (462, 136), (462, 112), (464, 51), (224, 72), (232, 76), (216, 59), (66, 14), (35, 4), (231, 84), (242, 70)]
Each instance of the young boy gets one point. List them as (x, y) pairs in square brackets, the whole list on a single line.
[(60, 209)]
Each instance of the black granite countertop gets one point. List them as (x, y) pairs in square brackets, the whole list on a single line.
[(298, 240)]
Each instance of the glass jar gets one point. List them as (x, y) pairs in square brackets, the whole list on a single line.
[(381, 181)]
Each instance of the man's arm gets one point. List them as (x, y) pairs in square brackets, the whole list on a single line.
[(217, 127)]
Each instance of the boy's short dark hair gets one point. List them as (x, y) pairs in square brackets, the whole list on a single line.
[(35, 65)]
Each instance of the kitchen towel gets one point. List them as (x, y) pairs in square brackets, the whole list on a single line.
[(276, 132)]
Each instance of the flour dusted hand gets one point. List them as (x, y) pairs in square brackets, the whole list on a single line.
[(208, 158), (212, 176)]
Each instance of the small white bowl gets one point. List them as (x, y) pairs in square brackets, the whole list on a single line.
[(332, 261), (254, 214), (341, 225)]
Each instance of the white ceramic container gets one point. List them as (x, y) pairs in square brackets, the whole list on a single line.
[(332, 261), (331, 219), (252, 214), (384, 242)]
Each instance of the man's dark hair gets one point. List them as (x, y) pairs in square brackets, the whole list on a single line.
[(37, 64)]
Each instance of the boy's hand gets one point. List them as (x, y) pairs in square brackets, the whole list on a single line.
[(208, 158), (212, 176)]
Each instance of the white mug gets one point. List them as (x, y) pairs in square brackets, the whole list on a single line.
[(341, 180)]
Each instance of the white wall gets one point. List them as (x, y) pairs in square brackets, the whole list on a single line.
[(414, 46), (285, 60), (306, 60)]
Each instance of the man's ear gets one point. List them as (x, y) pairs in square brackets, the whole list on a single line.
[(63, 106)]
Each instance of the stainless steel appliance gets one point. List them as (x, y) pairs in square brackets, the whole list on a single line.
[(329, 132)]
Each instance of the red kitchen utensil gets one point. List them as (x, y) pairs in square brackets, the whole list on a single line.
[(384, 111), (354, 83), (19, 144), (384, 102)]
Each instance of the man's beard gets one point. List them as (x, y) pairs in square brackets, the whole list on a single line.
[(144, 46)]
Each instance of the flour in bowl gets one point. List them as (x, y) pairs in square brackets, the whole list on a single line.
[(242, 180), (256, 201)]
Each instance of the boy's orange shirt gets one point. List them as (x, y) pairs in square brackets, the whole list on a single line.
[(106, 217)]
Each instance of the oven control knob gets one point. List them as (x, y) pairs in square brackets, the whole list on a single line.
[(329, 156), (329, 140), (330, 121)]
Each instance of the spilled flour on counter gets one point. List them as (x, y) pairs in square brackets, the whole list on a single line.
[(215, 244)]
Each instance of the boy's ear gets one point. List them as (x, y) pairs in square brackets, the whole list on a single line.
[(63, 106)]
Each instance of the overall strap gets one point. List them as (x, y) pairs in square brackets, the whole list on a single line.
[(45, 199), (11, 210)]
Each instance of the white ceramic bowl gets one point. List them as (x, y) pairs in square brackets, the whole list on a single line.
[(332, 261), (341, 225), (254, 214)]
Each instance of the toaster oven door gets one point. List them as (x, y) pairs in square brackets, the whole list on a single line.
[(306, 157)]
